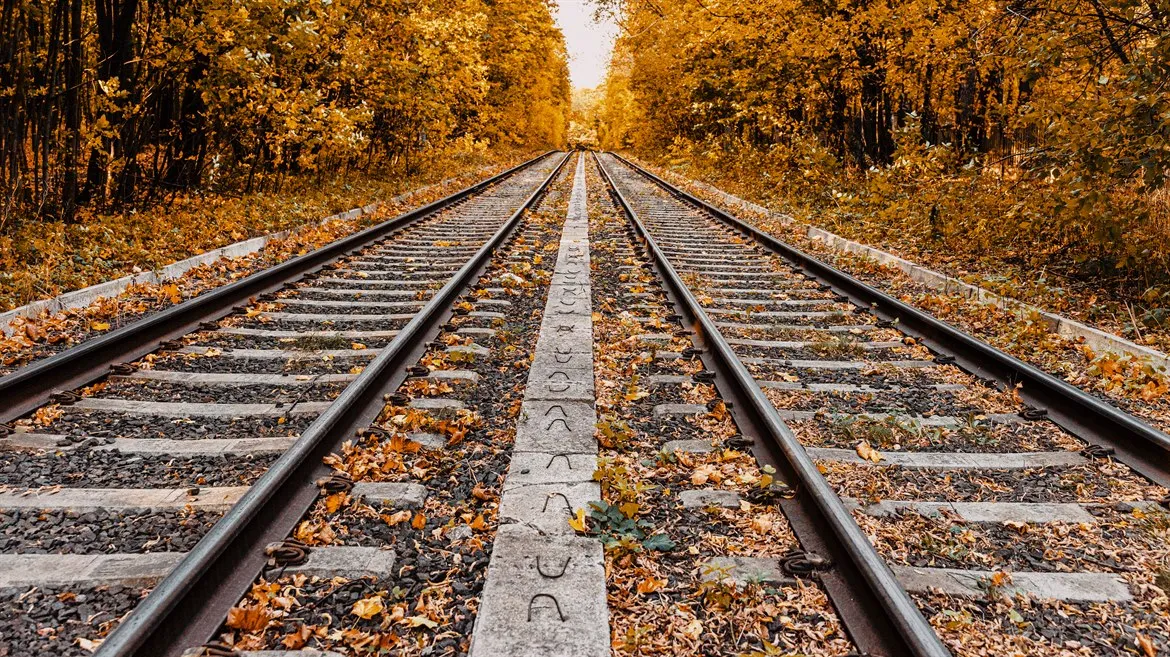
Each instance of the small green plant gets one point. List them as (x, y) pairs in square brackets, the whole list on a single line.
[(717, 586), (625, 534), (888, 431)]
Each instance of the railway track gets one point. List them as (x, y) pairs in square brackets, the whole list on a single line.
[(933, 495), (412, 440), (151, 499)]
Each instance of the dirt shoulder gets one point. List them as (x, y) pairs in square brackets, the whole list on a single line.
[(36, 338)]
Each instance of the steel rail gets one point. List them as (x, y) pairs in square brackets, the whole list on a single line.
[(188, 607), (1134, 442), (30, 387), (877, 612)]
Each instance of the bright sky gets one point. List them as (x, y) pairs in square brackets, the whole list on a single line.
[(589, 43)]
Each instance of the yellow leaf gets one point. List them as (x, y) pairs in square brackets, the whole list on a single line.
[(367, 608), (629, 509), (578, 522), (357, 346), (868, 453), (100, 326), (416, 621)]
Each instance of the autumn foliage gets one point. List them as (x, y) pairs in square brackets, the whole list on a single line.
[(1029, 132), (118, 103)]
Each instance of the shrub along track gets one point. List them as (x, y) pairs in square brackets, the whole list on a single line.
[(1010, 532), (107, 488)]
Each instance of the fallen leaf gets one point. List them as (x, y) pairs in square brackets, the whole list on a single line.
[(419, 521), (172, 292), (297, 639), (397, 518), (701, 475), (417, 621), (334, 502), (1147, 645), (252, 619), (100, 326), (367, 608), (650, 585), (578, 522), (865, 451)]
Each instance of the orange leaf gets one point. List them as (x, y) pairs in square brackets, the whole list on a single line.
[(252, 619), (334, 502), (650, 584), (419, 521), (1147, 645)]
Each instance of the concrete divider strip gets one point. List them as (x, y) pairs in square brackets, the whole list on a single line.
[(545, 589)]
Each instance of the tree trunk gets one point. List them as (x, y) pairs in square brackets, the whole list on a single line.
[(72, 111)]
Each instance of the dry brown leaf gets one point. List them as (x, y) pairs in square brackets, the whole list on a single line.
[(702, 474), (297, 639), (397, 518)]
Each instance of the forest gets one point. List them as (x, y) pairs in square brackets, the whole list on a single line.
[(113, 104), (1033, 134)]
